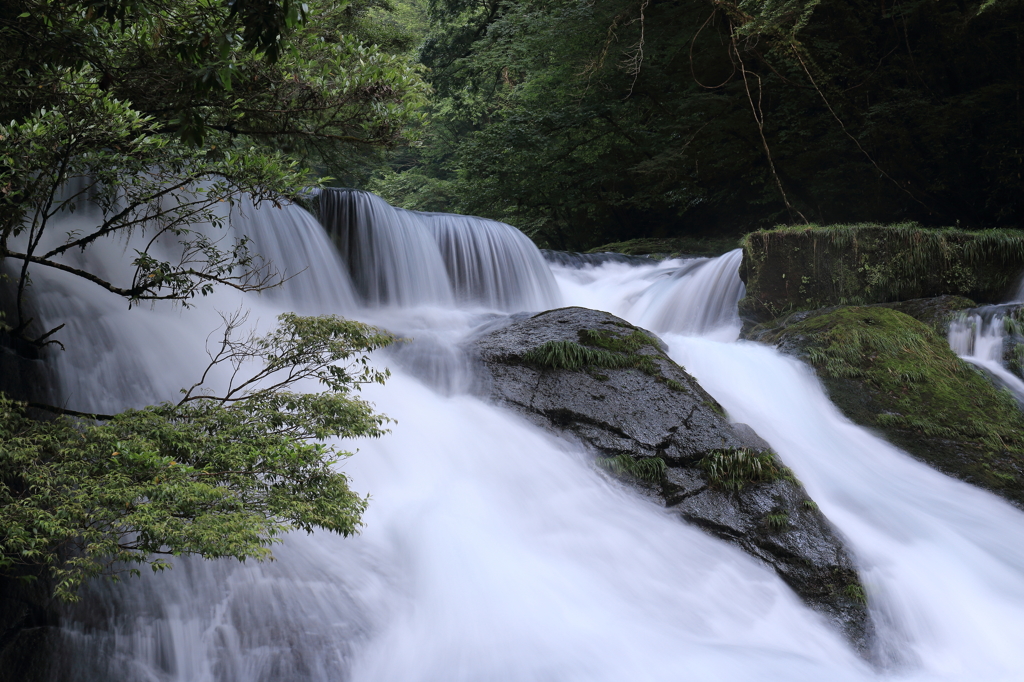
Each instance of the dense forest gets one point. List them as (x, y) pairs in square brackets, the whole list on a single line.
[(588, 122)]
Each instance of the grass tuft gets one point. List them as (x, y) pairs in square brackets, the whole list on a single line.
[(646, 469), (777, 521), (734, 468), (602, 350)]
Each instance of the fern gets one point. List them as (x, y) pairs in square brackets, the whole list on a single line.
[(571, 355), (645, 469), (733, 468)]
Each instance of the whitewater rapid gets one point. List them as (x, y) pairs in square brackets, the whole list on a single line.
[(494, 552)]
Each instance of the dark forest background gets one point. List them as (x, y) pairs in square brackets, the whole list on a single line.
[(586, 122)]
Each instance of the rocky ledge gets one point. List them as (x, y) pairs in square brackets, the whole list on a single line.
[(889, 371), (599, 379)]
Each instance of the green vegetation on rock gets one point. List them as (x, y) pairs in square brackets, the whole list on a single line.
[(604, 350), (887, 370), (812, 267), (734, 468), (645, 468), (777, 521)]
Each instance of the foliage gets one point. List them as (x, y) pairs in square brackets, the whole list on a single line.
[(603, 350), (218, 475), (734, 468), (645, 469), (159, 113), (588, 123)]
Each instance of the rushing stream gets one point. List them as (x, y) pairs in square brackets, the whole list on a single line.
[(494, 552)]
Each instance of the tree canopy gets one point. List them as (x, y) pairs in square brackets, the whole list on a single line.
[(152, 115), (587, 122), (130, 103)]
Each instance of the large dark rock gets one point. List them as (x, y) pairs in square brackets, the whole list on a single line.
[(813, 267), (28, 622), (593, 376)]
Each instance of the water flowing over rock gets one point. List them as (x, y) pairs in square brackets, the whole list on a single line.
[(991, 338), (408, 258), (891, 372), (654, 414), (495, 550)]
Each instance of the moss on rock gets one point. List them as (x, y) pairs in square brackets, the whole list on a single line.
[(625, 347), (812, 267), (889, 371)]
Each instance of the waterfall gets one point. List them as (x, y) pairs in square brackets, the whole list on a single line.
[(408, 258), (493, 551), (695, 296), (492, 263), (316, 278), (980, 337)]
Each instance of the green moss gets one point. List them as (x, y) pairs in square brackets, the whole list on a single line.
[(888, 370), (672, 247), (622, 343), (733, 468), (855, 592), (813, 266), (646, 469), (604, 350)]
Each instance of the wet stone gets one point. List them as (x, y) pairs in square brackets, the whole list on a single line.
[(643, 405)]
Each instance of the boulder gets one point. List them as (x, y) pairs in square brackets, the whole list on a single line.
[(595, 378), (812, 267)]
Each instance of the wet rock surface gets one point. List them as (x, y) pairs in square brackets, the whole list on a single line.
[(611, 386), (28, 621)]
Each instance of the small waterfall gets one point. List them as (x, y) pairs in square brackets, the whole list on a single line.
[(696, 296), (316, 277), (408, 258), (697, 299), (980, 337), (392, 259), (492, 264)]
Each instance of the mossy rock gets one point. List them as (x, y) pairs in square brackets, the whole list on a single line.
[(596, 379), (812, 267), (888, 371), (672, 247)]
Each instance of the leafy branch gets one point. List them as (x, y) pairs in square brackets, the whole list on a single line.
[(214, 475)]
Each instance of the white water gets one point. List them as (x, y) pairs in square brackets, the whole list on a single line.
[(980, 338), (408, 258), (494, 552)]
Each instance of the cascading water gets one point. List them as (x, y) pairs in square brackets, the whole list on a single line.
[(408, 258), (980, 337), (493, 552)]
